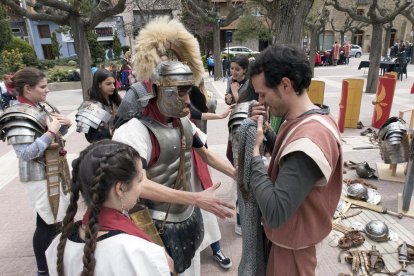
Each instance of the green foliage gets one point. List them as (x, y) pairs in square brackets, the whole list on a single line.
[(204, 59), (96, 49), (21, 45), (65, 60), (5, 31), (12, 60), (125, 49), (58, 75), (251, 27), (55, 46), (116, 46), (46, 64), (30, 60)]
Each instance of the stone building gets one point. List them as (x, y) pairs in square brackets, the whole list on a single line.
[(401, 28)]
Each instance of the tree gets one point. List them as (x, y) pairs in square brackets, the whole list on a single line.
[(287, 18), (116, 46), (348, 25), (408, 13), (206, 13), (252, 27), (5, 31), (55, 46), (377, 16), (79, 15), (96, 49)]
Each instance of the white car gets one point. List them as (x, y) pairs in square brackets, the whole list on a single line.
[(356, 51), (239, 50)]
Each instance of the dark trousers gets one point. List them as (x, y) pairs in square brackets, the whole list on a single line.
[(42, 237)]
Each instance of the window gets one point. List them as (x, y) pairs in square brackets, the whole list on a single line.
[(16, 30), (44, 31), (360, 11)]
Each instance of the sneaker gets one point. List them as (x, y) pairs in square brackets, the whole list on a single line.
[(237, 229), (222, 260)]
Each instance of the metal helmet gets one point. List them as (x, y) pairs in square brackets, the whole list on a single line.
[(363, 170), (393, 141), (377, 230), (357, 191), (169, 77)]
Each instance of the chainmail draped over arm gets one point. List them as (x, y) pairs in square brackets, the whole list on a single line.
[(253, 257)]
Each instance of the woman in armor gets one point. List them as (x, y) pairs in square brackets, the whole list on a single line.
[(35, 132), (109, 176), (95, 116)]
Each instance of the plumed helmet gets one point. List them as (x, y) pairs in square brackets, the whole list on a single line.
[(357, 191), (172, 73), (377, 230)]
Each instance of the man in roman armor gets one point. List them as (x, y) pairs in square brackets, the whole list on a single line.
[(164, 136)]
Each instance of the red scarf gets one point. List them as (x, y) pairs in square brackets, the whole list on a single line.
[(24, 100), (111, 219)]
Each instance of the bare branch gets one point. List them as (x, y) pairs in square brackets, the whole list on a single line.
[(104, 10), (60, 20), (61, 5)]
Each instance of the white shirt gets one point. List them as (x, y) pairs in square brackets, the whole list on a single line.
[(121, 254)]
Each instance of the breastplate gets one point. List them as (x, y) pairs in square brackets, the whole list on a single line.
[(165, 169)]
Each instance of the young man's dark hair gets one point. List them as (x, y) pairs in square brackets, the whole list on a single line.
[(279, 61)]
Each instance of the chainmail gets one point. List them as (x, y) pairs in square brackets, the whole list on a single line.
[(252, 260)]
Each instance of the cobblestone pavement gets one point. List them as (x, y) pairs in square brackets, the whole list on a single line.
[(16, 229)]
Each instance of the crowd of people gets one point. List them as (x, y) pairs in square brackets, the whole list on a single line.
[(149, 158)]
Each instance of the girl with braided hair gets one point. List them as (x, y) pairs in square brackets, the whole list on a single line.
[(109, 175)]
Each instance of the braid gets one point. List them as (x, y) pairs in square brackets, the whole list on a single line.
[(68, 221), (91, 231)]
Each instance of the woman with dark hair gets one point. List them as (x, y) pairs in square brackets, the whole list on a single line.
[(239, 90), (108, 175), (95, 116), (35, 129)]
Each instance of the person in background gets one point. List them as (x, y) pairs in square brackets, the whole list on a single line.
[(210, 65), (8, 96), (299, 192), (36, 143), (95, 116), (109, 177), (335, 52), (94, 68), (347, 51)]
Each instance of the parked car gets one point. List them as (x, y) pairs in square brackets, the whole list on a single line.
[(239, 50), (356, 51)]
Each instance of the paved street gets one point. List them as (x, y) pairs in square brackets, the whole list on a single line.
[(18, 221)]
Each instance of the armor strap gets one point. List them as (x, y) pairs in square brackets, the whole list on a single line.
[(57, 173), (181, 173)]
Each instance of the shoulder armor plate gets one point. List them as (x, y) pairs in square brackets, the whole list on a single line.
[(22, 123), (91, 115)]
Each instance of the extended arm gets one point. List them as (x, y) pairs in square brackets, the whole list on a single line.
[(205, 200), (217, 162)]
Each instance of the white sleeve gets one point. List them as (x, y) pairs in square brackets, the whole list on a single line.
[(199, 132), (135, 134)]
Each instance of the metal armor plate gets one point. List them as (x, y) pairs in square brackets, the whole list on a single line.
[(393, 141), (239, 113), (91, 115), (357, 191), (165, 170)]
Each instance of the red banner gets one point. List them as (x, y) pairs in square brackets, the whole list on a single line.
[(383, 101)]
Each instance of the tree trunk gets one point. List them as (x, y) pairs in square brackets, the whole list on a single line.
[(84, 55), (290, 20), (374, 58), (313, 47), (218, 68), (342, 37), (386, 42)]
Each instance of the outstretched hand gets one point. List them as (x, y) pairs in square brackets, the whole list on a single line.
[(208, 201)]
